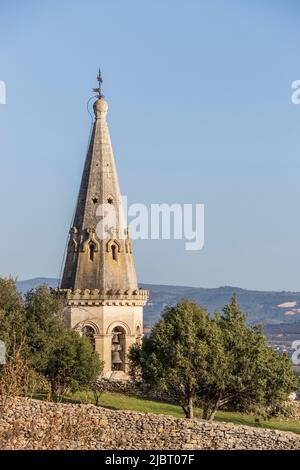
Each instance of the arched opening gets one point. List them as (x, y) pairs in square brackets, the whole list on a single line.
[(118, 349), (89, 332), (114, 250), (92, 249), (72, 246), (138, 335)]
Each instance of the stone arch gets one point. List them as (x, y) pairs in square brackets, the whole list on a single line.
[(113, 242), (73, 244), (92, 248), (91, 238), (115, 324), (80, 326), (138, 333), (89, 332)]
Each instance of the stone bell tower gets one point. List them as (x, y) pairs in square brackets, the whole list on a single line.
[(99, 280)]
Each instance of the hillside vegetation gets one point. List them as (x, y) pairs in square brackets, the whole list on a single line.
[(261, 306)]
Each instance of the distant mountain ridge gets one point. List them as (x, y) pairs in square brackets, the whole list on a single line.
[(266, 307)]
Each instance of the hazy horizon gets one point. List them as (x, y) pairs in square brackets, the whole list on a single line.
[(176, 285)]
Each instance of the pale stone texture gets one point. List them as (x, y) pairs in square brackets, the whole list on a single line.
[(32, 424), (104, 319), (99, 278), (99, 185)]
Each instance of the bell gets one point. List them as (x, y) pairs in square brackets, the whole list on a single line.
[(116, 359), (115, 338)]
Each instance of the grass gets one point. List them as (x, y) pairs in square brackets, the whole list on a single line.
[(117, 401)]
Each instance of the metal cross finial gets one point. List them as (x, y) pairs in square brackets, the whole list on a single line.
[(100, 81)]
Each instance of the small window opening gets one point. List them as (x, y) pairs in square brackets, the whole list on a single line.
[(92, 251), (114, 252), (110, 200), (89, 332), (95, 200)]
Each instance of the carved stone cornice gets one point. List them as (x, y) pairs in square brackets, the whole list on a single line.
[(105, 297)]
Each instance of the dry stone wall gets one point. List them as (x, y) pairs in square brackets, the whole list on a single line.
[(34, 424), (131, 389)]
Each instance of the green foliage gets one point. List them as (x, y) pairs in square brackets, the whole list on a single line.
[(250, 376), (61, 355), (44, 327), (72, 363), (173, 357), (217, 362), (280, 382), (135, 363), (12, 314)]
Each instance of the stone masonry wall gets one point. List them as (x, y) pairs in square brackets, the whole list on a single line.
[(33, 424), (130, 389)]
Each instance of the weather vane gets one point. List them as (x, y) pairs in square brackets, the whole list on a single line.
[(100, 81)]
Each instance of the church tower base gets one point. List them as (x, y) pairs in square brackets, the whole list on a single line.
[(113, 323)]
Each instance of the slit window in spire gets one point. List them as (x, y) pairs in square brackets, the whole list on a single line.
[(91, 251), (114, 250)]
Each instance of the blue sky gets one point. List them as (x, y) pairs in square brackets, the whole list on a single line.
[(200, 110)]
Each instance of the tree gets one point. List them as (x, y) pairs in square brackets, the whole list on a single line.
[(43, 325), (214, 362), (17, 376), (33, 327), (64, 357), (72, 363), (280, 383), (135, 363), (244, 374), (174, 355), (12, 314)]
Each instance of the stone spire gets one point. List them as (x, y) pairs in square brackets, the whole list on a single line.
[(92, 263)]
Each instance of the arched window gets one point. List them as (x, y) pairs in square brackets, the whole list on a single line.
[(118, 349), (138, 335), (91, 251), (114, 250), (89, 332)]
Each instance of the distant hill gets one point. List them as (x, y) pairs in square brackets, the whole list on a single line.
[(268, 308), (24, 286)]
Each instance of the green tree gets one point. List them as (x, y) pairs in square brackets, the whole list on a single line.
[(64, 357), (33, 326), (280, 383), (72, 363), (12, 314), (43, 325), (213, 362), (174, 355), (243, 374)]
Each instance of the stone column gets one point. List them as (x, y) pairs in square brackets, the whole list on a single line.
[(103, 348)]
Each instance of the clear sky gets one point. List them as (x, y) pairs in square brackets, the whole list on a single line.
[(200, 110)]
